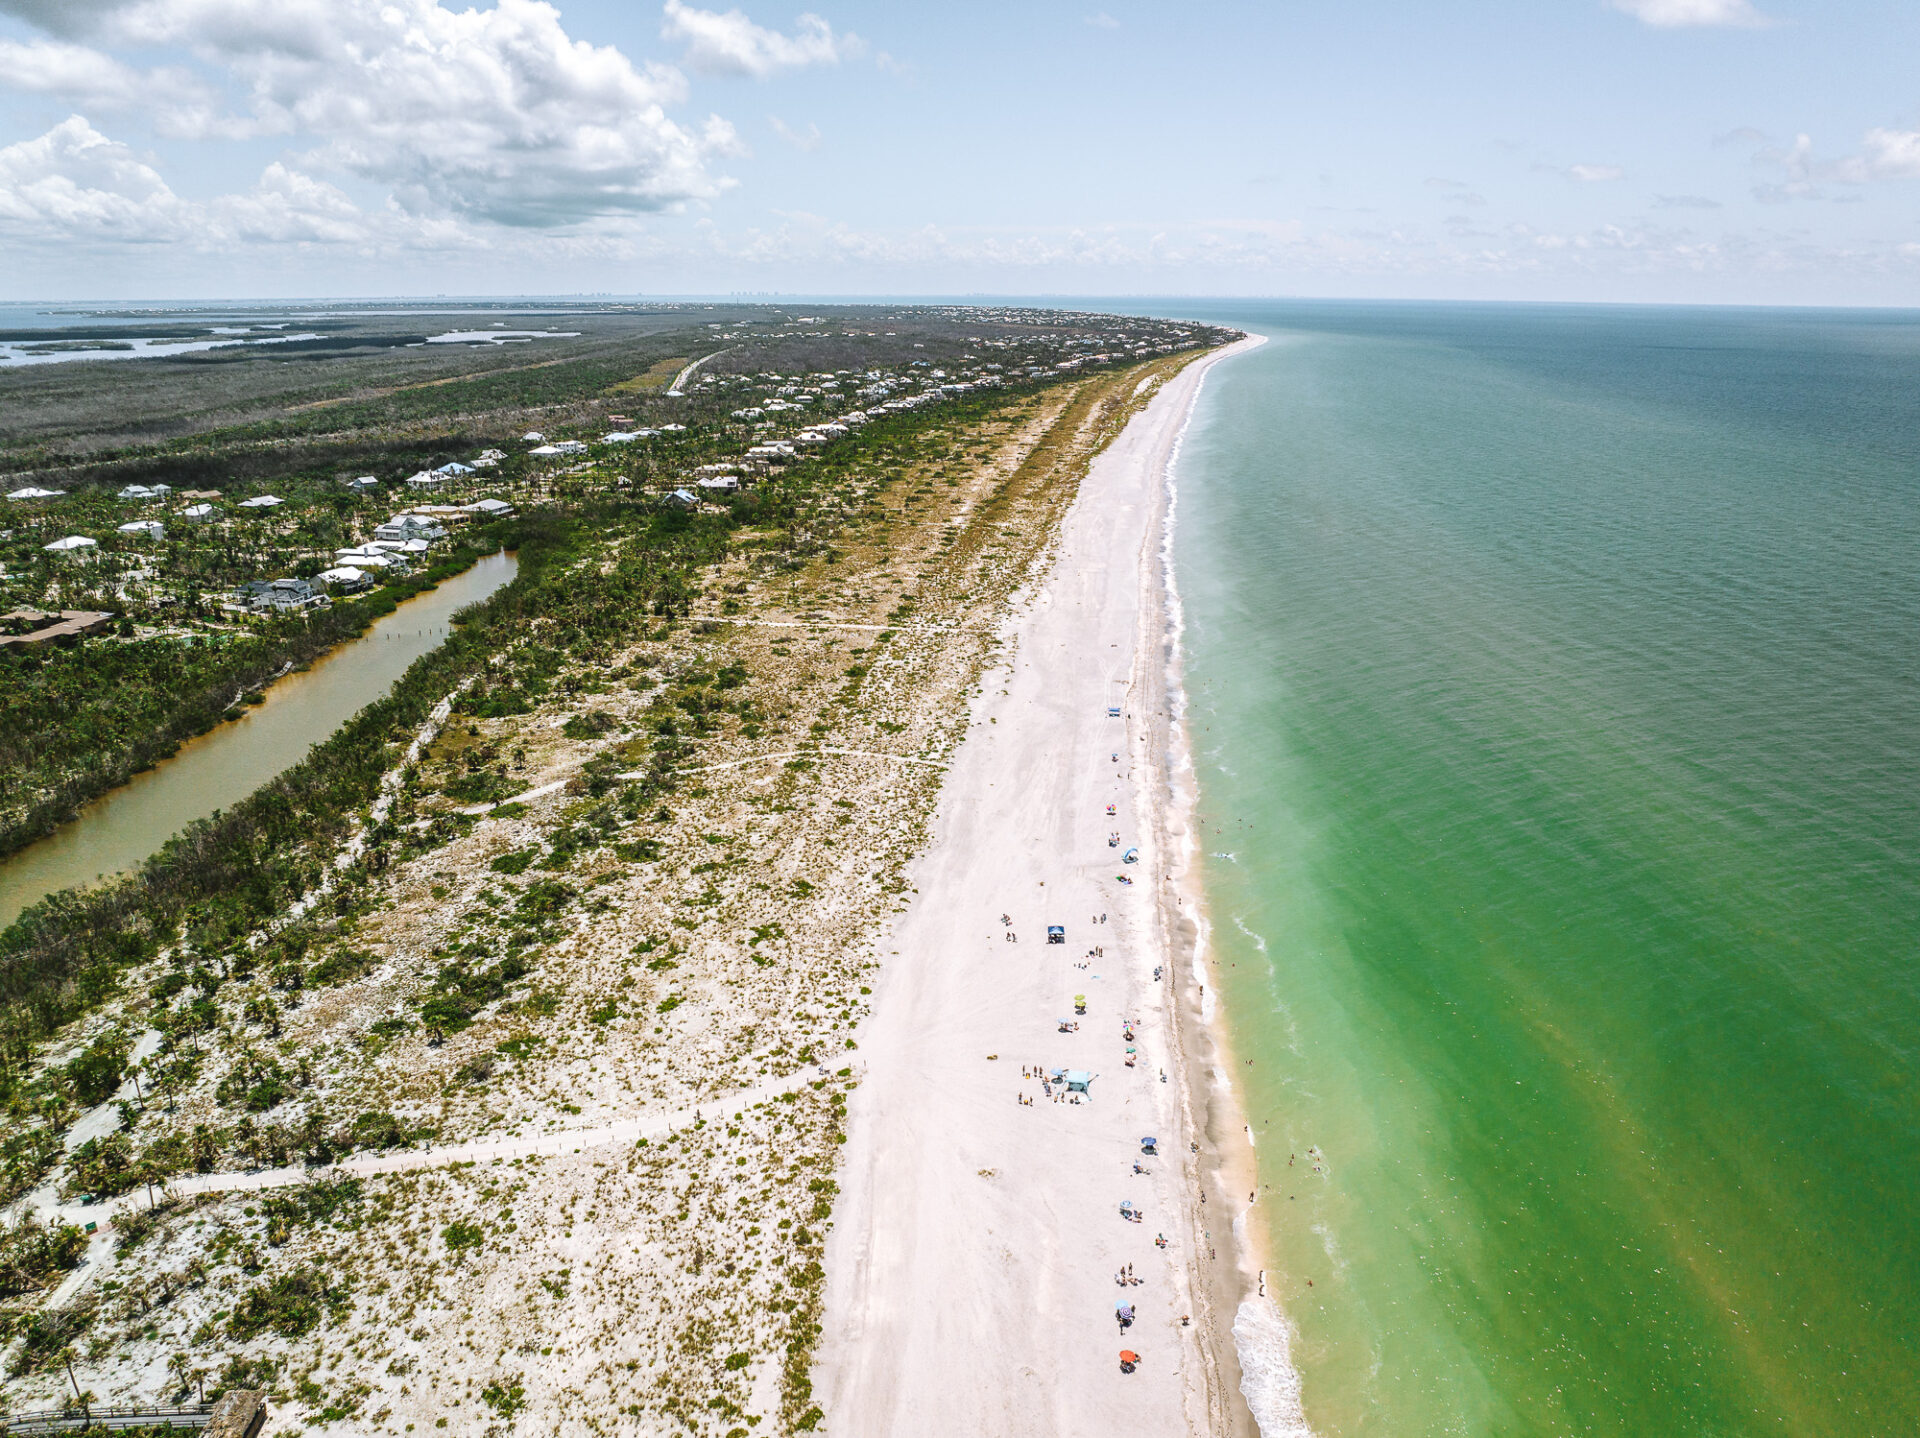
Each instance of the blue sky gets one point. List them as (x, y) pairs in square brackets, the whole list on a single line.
[(1758, 151)]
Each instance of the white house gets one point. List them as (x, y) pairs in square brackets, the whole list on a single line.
[(367, 557), (489, 508), (262, 501), (619, 436), (31, 493), (533, 436), (425, 479), (197, 513), (719, 483), (453, 469), (152, 528), (403, 527), (70, 545), (545, 451), (146, 491), (344, 579), (363, 483)]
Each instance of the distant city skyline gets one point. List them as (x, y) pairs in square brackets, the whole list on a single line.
[(1715, 151)]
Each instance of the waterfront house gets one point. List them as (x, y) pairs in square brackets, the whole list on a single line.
[(280, 595), (369, 556), (490, 509), (403, 527), (24, 628), (344, 579)]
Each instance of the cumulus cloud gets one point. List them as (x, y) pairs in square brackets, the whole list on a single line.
[(731, 44), (74, 183), (1892, 154), (1595, 174), (1681, 14), (183, 106), (493, 115), (289, 207)]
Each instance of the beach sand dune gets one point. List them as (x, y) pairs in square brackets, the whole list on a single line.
[(971, 1273)]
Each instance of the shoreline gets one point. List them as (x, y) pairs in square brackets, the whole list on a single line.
[(971, 1272), (1254, 1326)]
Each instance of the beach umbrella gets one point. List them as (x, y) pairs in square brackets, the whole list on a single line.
[(1149, 1144), (1127, 1359)]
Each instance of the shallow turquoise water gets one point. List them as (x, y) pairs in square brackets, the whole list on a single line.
[(1555, 688)]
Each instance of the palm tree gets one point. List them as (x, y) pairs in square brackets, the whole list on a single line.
[(65, 1359)]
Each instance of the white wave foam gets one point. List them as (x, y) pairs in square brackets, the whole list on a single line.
[(1268, 1380), (1261, 1333)]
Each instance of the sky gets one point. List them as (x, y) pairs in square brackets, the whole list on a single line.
[(1711, 151)]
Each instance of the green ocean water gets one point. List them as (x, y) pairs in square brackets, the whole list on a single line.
[(1554, 686)]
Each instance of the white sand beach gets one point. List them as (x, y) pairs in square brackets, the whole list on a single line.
[(971, 1274)]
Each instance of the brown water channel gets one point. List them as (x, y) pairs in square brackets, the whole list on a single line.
[(120, 828)]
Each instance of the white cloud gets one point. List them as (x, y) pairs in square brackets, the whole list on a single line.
[(182, 104), (731, 44), (808, 139), (1101, 20), (1893, 154), (73, 183), (1681, 14), (491, 115), (1595, 174), (287, 206)]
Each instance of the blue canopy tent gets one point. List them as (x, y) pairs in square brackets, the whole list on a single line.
[(1078, 1081)]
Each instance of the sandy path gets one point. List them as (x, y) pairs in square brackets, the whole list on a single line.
[(970, 1283), (45, 1205)]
